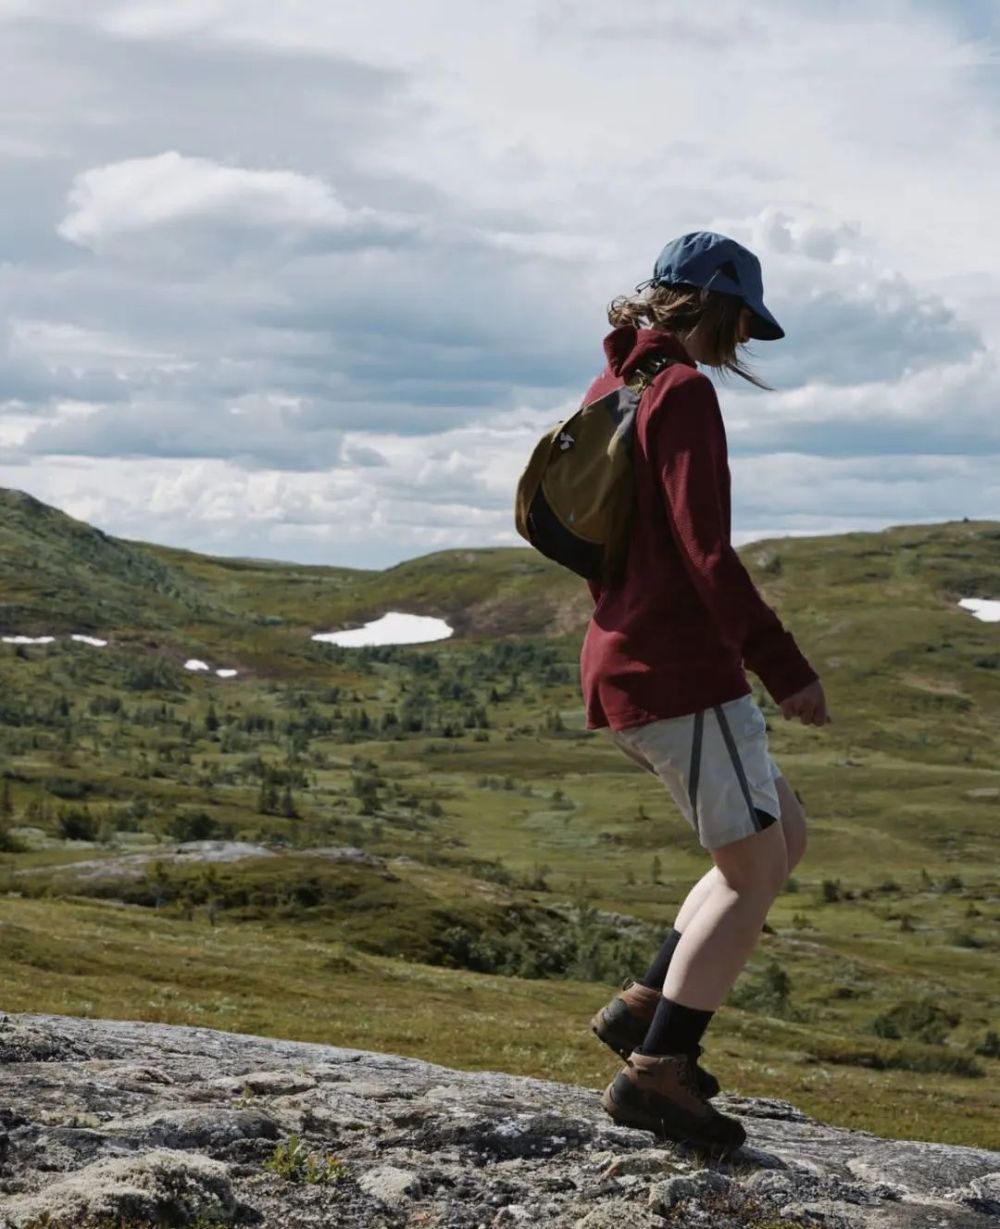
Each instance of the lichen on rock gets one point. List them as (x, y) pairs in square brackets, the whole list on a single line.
[(116, 1123)]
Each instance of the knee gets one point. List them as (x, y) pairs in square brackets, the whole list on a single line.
[(756, 866)]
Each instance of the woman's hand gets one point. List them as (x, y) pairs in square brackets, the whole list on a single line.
[(809, 705)]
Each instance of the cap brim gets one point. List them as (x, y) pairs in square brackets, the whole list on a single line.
[(763, 326)]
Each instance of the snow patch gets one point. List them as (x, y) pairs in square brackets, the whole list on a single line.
[(392, 628), (98, 644), (986, 610), (28, 639), (194, 664), (227, 674)]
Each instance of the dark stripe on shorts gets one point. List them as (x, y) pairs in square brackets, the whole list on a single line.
[(734, 755), (695, 773)]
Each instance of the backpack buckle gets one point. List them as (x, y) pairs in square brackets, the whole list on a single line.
[(647, 373)]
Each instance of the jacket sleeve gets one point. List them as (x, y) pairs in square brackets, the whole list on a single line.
[(687, 444)]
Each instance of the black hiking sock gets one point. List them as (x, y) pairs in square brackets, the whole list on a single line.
[(657, 973), (675, 1029)]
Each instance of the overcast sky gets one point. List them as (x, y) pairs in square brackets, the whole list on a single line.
[(306, 280)]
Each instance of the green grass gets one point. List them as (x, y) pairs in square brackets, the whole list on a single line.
[(291, 982), (518, 885)]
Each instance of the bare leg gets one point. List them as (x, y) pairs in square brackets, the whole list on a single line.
[(696, 898), (794, 827), (720, 937)]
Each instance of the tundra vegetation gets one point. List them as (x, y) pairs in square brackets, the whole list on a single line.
[(420, 850)]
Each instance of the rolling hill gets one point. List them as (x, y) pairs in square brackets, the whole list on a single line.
[(421, 850)]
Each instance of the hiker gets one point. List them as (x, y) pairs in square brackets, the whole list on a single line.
[(662, 670)]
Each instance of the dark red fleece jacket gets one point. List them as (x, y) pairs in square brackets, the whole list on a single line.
[(675, 635)]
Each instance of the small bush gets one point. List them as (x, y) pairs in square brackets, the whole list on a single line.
[(67, 788), (770, 992), (991, 1045), (158, 675), (291, 1161), (831, 892), (916, 1020), (899, 1056), (197, 826), (77, 824)]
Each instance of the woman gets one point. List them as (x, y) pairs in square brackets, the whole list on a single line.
[(662, 669)]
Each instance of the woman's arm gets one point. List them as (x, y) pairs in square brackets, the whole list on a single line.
[(687, 444)]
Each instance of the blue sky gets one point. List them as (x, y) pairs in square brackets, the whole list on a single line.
[(306, 281)]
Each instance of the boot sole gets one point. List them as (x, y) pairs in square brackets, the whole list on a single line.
[(627, 1111)]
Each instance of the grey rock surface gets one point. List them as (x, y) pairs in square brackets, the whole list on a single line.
[(106, 1122)]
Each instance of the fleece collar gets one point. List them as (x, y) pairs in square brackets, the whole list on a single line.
[(626, 347)]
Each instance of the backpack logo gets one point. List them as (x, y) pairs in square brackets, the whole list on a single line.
[(565, 441)]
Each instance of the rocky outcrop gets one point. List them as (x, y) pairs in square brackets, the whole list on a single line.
[(111, 1123)]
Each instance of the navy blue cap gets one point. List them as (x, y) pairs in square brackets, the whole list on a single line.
[(715, 262)]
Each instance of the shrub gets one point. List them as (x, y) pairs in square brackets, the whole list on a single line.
[(157, 675), (77, 824), (922, 1020), (830, 891), (991, 1045), (531, 945), (898, 1056), (197, 826), (67, 788), (770, 992)]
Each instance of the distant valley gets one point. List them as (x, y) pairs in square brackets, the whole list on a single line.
[(417, 848)]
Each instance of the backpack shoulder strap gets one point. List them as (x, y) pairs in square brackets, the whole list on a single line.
[(647, 372)]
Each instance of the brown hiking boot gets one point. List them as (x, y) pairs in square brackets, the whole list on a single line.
[(622, 1025), (659, 1093)]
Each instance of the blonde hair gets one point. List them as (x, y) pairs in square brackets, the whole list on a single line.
[(679, 309)]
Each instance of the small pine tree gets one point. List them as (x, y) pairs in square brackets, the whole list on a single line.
[(6, 802), (267, 796), (991, 1046), (831, 891), (657, 869)]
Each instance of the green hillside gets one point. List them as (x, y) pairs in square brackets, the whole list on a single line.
[(438, 860), (61, 574)]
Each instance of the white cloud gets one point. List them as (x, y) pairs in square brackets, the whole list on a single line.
[(312, 325), (147, 194)]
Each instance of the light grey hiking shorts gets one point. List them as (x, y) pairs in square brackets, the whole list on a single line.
[(716, 765)]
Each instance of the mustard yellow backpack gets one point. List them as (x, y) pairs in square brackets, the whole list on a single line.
[(575, 499)]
